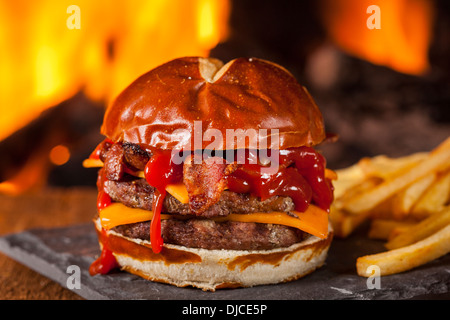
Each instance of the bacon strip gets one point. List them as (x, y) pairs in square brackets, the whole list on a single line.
[(120, 158), (134, 156), (114, 163), (205, 181)]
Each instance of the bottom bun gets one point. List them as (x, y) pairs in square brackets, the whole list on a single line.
[(214, 269)]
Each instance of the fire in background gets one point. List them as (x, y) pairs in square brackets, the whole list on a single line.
[(401, 42), (43, 62), (383, 91)]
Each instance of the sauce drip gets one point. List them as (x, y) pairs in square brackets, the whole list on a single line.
[(159, 172), (301, 176), (106, 262), (103, 200)]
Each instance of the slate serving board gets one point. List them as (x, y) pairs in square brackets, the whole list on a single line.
[(51, 251)]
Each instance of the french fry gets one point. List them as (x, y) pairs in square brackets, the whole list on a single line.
[(383, 210), (385, 167), (362, 187), (382, 228), (438, 159), (397, 231), (408, 202), (409, 257), (343, 223), (423, 229), (405, 200), (434, 198), (347, 179), (445, 145)]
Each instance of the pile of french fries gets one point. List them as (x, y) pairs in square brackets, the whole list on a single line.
[(407, 201)]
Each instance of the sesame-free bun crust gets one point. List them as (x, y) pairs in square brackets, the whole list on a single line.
[(246, 94), (214, 269)]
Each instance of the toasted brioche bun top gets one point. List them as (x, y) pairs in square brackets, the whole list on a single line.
[(248, 94)]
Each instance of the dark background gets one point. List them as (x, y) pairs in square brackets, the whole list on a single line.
[(373, 109)]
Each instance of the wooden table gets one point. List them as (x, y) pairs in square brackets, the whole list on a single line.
[(45, 208)]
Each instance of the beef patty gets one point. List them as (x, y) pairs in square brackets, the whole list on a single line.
[(209, 234), (191, 230), (137, 193)]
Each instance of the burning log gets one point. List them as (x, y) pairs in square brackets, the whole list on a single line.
[(45, 62), (73, 124)]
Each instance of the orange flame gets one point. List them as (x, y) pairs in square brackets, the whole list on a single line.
[(43, 62), (402, 42)]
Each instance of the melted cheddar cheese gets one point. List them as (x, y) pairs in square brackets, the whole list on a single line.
[(313, 221)]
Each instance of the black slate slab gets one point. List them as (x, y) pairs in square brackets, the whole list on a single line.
[(51, 251)]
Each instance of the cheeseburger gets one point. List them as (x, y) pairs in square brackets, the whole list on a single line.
[(209, 178)]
